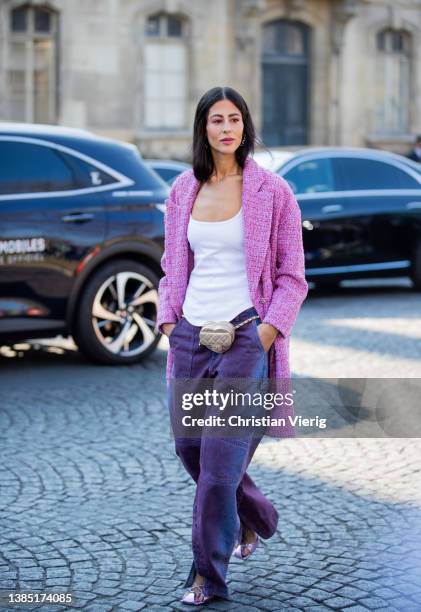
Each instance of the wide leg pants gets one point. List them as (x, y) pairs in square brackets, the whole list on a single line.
[(226, 497)]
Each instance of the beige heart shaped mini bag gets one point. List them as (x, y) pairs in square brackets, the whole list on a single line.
[(218, 336)]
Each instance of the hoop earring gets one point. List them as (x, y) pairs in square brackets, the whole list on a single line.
[(243, 142)]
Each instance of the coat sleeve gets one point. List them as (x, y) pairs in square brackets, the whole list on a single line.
[(290, 286), (166, 313)]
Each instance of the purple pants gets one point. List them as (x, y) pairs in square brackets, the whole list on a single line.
[(226, 497)]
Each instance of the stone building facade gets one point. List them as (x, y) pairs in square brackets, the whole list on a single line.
[(314, 72)]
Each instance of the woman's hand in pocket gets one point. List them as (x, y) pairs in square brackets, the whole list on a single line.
[(267, 334), (167, 328)]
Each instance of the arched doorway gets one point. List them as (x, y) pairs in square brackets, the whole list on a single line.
[(285, 69)]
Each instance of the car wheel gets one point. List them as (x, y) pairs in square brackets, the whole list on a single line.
[(117, 313), (416, 269)]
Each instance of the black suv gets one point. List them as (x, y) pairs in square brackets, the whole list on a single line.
[(81, 238)]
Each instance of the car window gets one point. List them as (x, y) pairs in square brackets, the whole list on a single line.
[(416, 167), (87, 174), (311, 176), (33, 168), (167, 173), (359, 173), (172, 181)]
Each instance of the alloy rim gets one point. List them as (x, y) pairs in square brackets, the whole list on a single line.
[(124, 314)]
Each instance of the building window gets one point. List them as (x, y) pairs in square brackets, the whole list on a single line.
[(164, 25), (284, 37), (165, 92), (153, 25), (393, 80), (393, 41), (18, 21), (285, 68), (32, 66)]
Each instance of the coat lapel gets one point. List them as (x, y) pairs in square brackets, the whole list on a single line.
[(258, 208), (183, 260), (257, 201)]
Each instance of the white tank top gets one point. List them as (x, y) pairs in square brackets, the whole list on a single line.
[(217, 288)]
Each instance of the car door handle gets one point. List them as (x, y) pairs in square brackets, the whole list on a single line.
[(412, 205), (331, 208), (77, 217)]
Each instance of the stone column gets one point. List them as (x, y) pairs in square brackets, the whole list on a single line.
[(247, 37), (342, 12)]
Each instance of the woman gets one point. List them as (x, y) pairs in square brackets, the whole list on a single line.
[(233, 252)]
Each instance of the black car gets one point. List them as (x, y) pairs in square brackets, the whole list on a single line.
[(167, 169), (361, 211), (81, 239)]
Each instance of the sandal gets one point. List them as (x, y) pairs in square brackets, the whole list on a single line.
[(244, 551), (195, 596)]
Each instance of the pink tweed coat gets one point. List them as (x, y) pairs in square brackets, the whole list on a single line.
[(274, 262)]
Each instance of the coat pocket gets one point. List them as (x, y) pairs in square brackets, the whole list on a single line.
[(174, 330), (257, 322)]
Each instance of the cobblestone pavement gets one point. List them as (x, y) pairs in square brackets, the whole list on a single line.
[(94, 501)]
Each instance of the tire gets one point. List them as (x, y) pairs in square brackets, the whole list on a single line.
[(416, 268), (102, 323)]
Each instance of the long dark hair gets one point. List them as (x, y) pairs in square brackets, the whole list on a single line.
[(203, 165)]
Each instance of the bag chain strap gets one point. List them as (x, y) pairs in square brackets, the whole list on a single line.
[(246, 321)]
